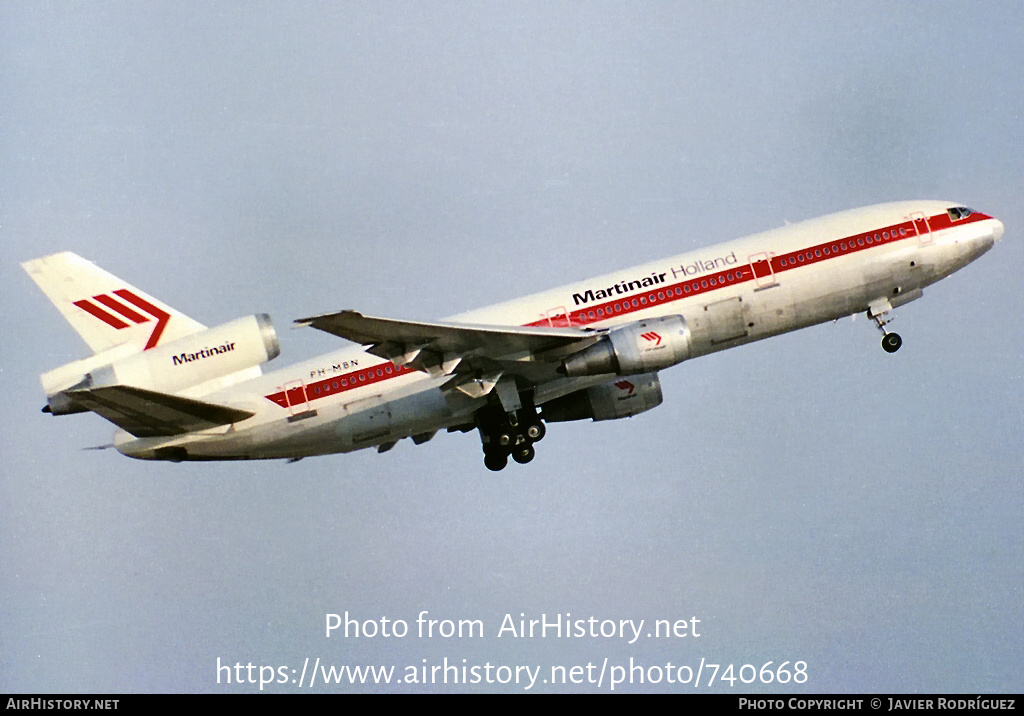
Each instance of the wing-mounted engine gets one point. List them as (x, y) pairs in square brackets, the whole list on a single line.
[(622, 398), (197, 363), (640, 347)]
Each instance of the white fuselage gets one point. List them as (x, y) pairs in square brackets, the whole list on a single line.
[(732, 293)]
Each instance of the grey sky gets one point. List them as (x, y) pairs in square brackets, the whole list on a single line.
[(808, 497)]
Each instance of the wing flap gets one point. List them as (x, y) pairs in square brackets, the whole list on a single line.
[(148, 413)]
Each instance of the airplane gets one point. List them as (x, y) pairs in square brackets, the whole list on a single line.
[(180, 391)]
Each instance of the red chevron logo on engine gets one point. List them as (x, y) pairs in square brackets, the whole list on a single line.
[(652, 336), (625, 385), (126, 312)]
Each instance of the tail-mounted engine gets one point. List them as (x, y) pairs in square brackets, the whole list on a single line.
[(211, 357), (639, 347), (615, 399)]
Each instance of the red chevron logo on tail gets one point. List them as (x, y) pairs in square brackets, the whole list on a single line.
[(126, 312)]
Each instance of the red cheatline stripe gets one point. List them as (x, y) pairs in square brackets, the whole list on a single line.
[(161, 316), (704, 283), (339, 384), (110, 320), (604, 309), (121, 308)]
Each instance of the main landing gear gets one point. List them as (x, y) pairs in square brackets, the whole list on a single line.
[(509, 434)]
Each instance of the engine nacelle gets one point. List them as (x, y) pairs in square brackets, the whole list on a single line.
[(187, 362), (640, 347), (608, 401)]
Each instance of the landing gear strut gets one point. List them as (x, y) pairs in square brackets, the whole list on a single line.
[(891, 342), (509, 434)]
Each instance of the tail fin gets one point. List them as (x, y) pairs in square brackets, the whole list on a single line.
[(106, 311)]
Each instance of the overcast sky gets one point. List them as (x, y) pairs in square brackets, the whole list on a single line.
[(807, 498)]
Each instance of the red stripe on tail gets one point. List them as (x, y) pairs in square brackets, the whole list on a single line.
[(99, 313), (162, 317), (121, 308)]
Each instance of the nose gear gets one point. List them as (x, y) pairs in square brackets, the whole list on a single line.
[(891, 342)]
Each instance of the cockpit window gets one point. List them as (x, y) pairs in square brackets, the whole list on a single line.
[(959, 212)]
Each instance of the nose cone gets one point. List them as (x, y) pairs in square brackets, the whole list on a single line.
[(997, 229)]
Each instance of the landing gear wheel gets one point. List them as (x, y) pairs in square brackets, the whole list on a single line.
[(536, 431), (891, 342), (495, 461), (505, 436), (523, 453)]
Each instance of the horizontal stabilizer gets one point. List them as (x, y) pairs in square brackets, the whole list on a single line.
[(147, 413)]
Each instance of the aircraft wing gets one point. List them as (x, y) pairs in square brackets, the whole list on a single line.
[(442, 347), (148, 413)]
